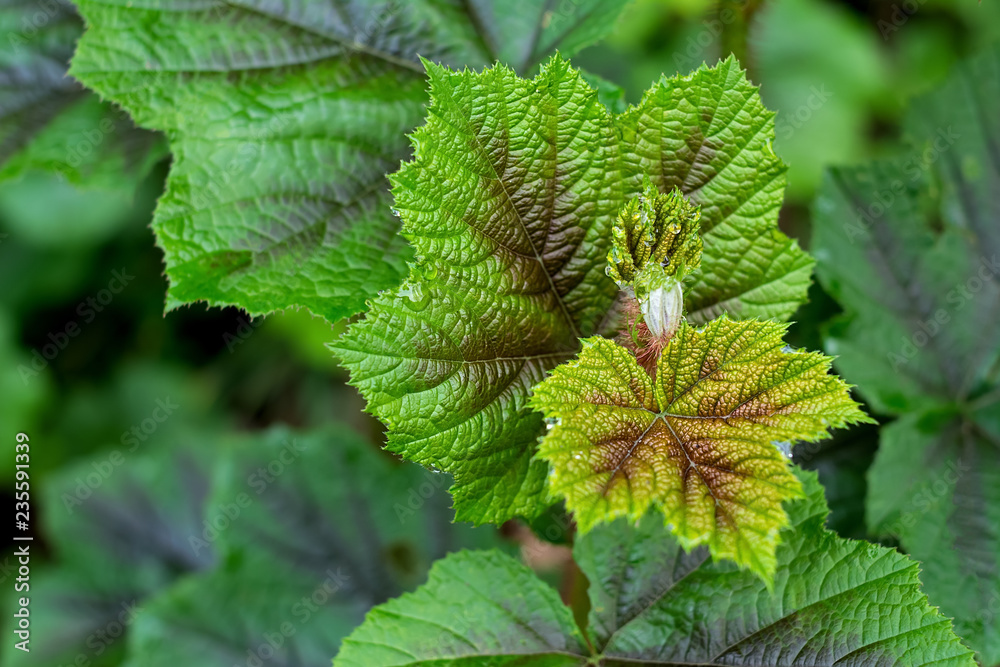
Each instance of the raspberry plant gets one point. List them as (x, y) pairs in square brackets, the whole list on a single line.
[(557, 303), (510, 203)]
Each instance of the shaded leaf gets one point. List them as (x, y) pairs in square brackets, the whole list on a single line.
[(240, 614), (49, 122), (336, 502), (119, 526), (25, 400), (698, 442), (283, 120), (508, 204), (842, 464), (935, 487), (313, 530), (910, 248)]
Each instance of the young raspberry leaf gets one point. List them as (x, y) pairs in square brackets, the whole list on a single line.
[(834, 602), (654, 244), (506, 202), (655, 232), (699, 441), (509, 203)]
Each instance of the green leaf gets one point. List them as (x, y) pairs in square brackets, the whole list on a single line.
[(610, 94), (709, 135), (313, 530), (910, 248), (119, 528), (835, 602), (935, 486), (698, 442), (338, 502), (283, 119), (508, 204), (512, 275), (49, 122), (458, 618), (240, 614)]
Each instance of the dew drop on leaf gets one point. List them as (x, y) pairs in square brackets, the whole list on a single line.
[(785, 448), (414, 297)]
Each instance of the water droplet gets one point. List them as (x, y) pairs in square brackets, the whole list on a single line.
[(414, 296), (785, 448)]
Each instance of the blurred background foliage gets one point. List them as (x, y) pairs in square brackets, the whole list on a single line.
[(838, 73)]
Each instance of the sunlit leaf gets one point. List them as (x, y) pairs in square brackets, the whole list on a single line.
[(700, 442)]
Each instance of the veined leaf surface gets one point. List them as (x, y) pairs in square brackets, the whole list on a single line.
[(835, 602), (698, 441), (48, 122), (312, 530), (508, 204), (284, 117)]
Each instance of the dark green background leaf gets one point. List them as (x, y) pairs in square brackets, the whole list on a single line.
[(312, 530), (911, 248), (121, 535), (49, 122)]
